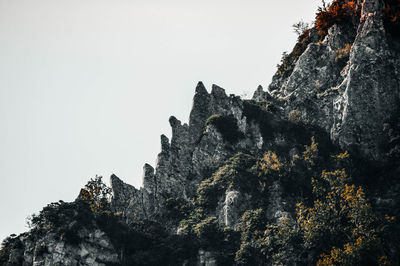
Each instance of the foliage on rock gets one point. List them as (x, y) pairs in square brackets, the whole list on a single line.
[(285, 68), (279, 191), (343, 54), (339, 12), (236, 174), (96, 194), (341, 225)]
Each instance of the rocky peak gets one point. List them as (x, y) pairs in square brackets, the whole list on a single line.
[(347, 84), (218, 92), (199, 113), (194, 150)]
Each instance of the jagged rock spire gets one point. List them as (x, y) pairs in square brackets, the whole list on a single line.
[(200, 112)]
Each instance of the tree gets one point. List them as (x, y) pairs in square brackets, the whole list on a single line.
[(300, 27), (341, 225), (97, 194)]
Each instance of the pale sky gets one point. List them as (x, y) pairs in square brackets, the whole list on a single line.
[(87, 86)]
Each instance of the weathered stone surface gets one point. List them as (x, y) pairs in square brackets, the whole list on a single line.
[(350, 103), (370, 92), (233, 208), (195, 150), (200, 112), (48, 250), (132, 203)]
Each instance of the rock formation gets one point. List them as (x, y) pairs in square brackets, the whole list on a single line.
[(352, 100), (342, 90)]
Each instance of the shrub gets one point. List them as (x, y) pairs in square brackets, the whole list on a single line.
[(252, 222), (278, 242), (235, 174), (67, 219), (270, 164), (288, 61), (293, 175), (186, 226), (176, 208), (148, 243), (227, 126), (300, 27), (53, 215), (295, 116), (208, 232), (310, 155), (339, 12), (97, 194), (341, 225), (40, 250)]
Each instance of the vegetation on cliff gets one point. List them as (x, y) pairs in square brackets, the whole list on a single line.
[(330, 220)]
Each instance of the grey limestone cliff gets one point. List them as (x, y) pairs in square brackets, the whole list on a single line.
[(352, 100), (195, 150), (346, 84)]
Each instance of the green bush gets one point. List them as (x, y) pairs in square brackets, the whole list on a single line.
[(176, 209), (341, 225), (209, 232), (97, 195), (235, 174), (279, 242)]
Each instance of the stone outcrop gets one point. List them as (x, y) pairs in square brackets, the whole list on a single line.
[(346, 84), (351, 101), (370, 92), (234, 206), (48, 250), (195, 150)]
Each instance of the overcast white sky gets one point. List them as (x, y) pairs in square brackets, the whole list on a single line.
[(87, 86)]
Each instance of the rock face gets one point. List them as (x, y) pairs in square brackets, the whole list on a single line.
[(194, 151), (49, 250), (370, 91), (350, 100), (346, 84), (232, 206)]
